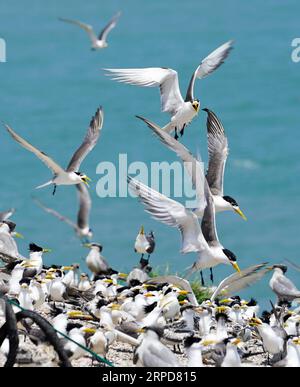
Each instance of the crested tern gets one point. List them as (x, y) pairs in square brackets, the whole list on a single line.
[(82, 228), (71, 175), (98, 42), (202, 240), (152, 353), (194, 168), (144, 244), (96, 262), (282, 286), (218, 152), (182, 111)]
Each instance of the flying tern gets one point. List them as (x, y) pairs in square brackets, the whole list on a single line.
[(98, 42), (182, 111), (82, 228), (217, 150), (70, 176)]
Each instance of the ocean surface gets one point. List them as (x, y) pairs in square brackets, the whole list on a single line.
[(52, 84)]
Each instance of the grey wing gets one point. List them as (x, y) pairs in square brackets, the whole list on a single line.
[(106, 30), (85, 204), (193, 166), (6, 214), (238, 281), (208, 65), (218, 152), (56, 214), (159, 356), (173, 214), (208, 224), (89, 141), (88, 29), (51, 164), (284, 287), (165, 78)]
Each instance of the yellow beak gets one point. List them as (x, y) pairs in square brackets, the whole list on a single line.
[(65, 268), (122, 275), (18, 235), (236, 267), (89, 330), (142, 231), (237, 341), (47, 250), (87, 245), (140, 330), (240, 212), (183, 292)]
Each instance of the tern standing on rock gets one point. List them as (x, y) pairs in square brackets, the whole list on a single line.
[(182, 111), (70, 176)]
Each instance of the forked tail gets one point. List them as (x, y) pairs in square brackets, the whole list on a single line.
[(44, 185)]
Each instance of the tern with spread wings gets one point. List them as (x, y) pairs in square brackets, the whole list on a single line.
[(98, 42), (182, 111), (70, 176), (218, 150), (82, 228), (202, 240)]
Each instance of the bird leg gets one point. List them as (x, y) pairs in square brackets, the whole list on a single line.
[(176, 134), (54, 190), (211, 275), (182, 130), (202, 279)]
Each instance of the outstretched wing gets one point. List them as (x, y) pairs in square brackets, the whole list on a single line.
[(106, 30), (172, 213), (85, 204), (89, 141), (55, 213), (218, 152), (209, 65), (86, 27), (238, 281), (193, 166), (166, 79), (56, 169)]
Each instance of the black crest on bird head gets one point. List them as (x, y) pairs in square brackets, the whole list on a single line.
[(221, 316), (252, 302), (10, 224), (281, 267), (190, 340), (100, 247), (158, 330), (230, 200), (35, 248), (230, 255)]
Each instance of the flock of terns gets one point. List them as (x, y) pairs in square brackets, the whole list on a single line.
[(158, 316)]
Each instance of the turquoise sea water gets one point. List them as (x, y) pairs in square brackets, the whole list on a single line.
[(52, 83)]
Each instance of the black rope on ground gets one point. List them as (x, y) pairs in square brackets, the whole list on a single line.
[(50, 334), (10, 331)]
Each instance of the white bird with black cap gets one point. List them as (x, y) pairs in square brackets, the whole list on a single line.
[(182, 111), (98, 42), (71, 175)]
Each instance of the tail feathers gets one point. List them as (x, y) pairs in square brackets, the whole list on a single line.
[(44, 185), (190, 270), (169, 127)]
